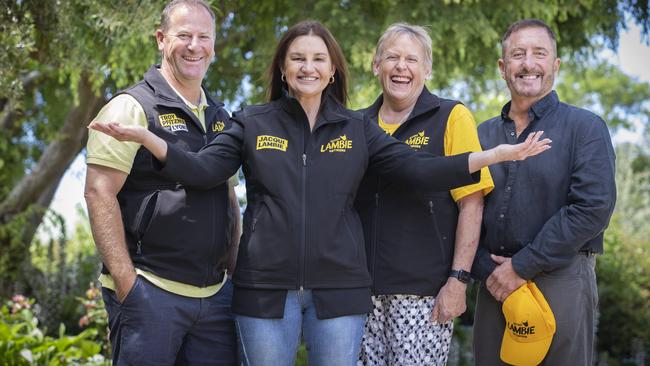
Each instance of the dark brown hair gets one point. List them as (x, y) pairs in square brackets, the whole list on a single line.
[(527, 23), (338, 89)]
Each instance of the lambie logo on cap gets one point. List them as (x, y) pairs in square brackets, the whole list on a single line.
[(418, 140), (521, 329), (341, 144), (172, 122), (218, 126), (530, 326), (271, 142)]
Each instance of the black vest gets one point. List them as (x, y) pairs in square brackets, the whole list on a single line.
[(409, 233), (175, 232)]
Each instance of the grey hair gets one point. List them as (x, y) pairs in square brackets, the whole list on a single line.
[(169, 8), (418, 33)]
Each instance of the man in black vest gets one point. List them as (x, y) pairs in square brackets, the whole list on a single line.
[(164, 246), (545, 218)]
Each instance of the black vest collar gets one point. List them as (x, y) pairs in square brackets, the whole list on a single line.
[(331, 110), (426, 102), (166, 96)]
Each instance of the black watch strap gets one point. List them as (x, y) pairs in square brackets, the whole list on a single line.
[(462, 276)]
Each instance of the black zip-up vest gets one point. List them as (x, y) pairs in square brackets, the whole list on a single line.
[(177, 233), (409, 233)]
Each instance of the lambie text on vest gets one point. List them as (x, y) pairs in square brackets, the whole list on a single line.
[(271, 142)]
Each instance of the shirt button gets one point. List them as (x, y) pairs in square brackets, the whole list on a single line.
[(502, 247), (507, 188), (512, 133), (501, 216)]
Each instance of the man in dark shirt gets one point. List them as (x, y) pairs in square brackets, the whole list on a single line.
[(545, 219)]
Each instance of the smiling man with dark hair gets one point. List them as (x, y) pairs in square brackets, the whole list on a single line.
[(545, 219)]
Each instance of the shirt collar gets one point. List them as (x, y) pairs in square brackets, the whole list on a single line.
[(538, 109), (166, 95), (203, 102)]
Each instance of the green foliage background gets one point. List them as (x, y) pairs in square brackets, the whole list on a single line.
[(60, 60)]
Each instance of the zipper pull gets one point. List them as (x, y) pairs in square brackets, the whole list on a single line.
[(377, 199), (431, 207), (138, 251), (254, 222), (304, 159)]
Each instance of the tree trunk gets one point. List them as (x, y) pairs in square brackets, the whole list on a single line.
[(23, 209)]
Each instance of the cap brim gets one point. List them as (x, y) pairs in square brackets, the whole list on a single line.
[(524, 354)]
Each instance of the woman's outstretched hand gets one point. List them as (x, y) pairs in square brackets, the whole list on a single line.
[(531, 147), (139, 134), (121, 133)]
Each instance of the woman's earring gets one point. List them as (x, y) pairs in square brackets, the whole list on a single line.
[(332, 79), (284, 80)]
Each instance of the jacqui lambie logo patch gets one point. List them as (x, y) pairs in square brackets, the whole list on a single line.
[(271, 142), (522, 330), (218, 126), (172, 122), (341, 144), (418, 140)]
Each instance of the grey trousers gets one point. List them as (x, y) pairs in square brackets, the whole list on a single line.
[(571, 293)]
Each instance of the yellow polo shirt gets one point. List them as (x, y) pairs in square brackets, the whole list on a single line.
[(460, 137)]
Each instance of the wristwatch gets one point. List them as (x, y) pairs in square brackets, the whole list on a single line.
[(462, 276)]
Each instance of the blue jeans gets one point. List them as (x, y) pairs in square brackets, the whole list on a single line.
[(155, 327), (274, 342)]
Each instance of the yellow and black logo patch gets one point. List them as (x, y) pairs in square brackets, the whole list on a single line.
[(172, 122), (218, 126), (341, 144), (418, 140), (271, 142)]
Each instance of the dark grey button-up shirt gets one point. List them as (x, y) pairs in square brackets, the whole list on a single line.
[(546, 209)]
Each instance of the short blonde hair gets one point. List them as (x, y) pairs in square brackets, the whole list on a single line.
[(419, 33)]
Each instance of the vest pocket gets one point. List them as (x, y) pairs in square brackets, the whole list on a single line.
[(436, 229), (143, 218)]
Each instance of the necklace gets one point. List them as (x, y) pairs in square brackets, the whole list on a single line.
[(407, 113)]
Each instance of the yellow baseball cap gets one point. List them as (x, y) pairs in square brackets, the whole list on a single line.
[(530, 326)]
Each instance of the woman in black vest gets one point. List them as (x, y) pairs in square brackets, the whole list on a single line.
[(420, 243), (301, 267)]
